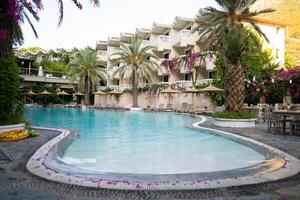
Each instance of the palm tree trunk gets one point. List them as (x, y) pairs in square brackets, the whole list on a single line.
[(234, 80), (135, 80), (86, 86)]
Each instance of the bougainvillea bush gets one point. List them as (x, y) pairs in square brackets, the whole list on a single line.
[(290, 79)]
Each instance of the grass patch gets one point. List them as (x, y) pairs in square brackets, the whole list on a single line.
[(234, 115)]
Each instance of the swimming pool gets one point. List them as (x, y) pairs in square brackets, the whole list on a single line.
[(143, 143)]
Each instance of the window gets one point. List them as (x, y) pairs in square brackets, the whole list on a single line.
[(118, 82), (187, 77), (189, 28), (102, 83), (147, 37), (188, 52), (166, 55), (212, 75), (277, 30), (148, 58), (166, 78), (167, 33)]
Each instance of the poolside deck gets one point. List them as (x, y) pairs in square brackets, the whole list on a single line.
[(17, 183)]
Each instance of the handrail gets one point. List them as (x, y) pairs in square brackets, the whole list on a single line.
[(34, 72)]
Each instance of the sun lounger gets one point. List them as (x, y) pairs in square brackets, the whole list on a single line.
[(160, 108), (187, 109), (148, 109), (168, 108), (183, 107)]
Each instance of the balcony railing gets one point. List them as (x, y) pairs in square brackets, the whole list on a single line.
[(179, 36), (43, 73), (120, 87), (160, 39)]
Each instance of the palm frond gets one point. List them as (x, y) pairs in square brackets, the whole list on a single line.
[(60, 12)]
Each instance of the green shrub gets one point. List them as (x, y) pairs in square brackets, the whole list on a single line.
[(234, 115), (11, 109)]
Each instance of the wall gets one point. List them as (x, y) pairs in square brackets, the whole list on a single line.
[(146, 99)]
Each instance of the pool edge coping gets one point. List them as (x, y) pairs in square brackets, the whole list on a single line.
[(36, 166)]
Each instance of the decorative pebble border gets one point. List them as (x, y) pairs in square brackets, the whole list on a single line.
[(282, 165)]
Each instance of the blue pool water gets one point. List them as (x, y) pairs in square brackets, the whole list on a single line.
[(143, 143)]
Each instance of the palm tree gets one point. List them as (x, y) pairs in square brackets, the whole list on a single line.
[(135, 62), (88, 70), (229, 31)]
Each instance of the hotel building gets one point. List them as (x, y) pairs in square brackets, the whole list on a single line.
[(179, 38)]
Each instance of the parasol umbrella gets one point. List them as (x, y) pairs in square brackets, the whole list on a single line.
[(211, 88), (63, 93), (30, 93), (99, 92), (192, 91), (45, 93), (169, 91), (115, 92), (79, 94)]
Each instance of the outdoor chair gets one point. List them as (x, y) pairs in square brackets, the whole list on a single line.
[(187, 108), (148, 109), (295, 125), (183, 107), (197, 111), (275, 123), (168, 108), (160, 107)]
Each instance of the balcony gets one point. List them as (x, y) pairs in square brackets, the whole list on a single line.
[(161, 43), (208, 62), (111, 51), (145, 43), (34, 75), (120, 87), (182, 39), (102, 55), (184, 84), (163, 70)]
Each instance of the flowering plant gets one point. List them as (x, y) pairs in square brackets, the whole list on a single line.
[(291, 80), (171, 64)]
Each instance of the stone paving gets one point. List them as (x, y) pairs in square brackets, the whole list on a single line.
[(17, 183)]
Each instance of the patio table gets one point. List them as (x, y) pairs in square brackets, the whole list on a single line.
[(285, 114)]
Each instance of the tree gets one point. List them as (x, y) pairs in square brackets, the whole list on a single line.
[(135, 62), (228, 31), (15, 12), (12, 14), (88, 70), (11, 108)]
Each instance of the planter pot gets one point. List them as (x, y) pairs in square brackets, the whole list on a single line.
[(12, 127), (234, 123)]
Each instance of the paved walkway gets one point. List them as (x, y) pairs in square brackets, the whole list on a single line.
[(18, 184)]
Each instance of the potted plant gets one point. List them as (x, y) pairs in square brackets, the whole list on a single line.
[(234, 119)]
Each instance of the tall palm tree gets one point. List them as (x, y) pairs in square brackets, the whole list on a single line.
[(229, 31), (88, 70), (135, 62)]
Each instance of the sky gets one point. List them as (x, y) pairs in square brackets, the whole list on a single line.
[(82, 28)]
